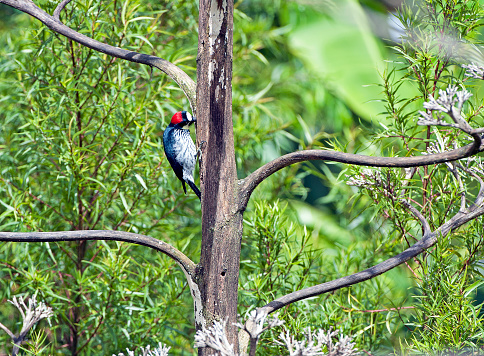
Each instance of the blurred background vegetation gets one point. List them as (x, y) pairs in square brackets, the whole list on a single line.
[(80, 148)]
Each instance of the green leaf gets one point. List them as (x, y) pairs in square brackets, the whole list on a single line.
[(140, 179), (345, 53), (125, 204), (472, 288)]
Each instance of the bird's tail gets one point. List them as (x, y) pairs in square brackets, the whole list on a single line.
[(195, 189)]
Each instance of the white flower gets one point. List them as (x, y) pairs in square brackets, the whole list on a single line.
[(474, 71), (315, 341), (215, 338)]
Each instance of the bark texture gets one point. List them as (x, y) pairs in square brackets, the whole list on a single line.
[(218, 271)]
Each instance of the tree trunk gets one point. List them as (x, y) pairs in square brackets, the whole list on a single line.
[(218, 272)]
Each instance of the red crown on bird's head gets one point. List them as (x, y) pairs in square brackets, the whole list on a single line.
[(181, 116)]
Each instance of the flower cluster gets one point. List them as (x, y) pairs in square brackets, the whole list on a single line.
[(474, 71), (215, 338), (161, 350), (316, 341), (255, 324), (367, 178)]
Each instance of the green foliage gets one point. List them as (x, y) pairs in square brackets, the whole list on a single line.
[(453, 320), (80, 148), (441, 314), (333, 57), (34, 345), (278, 258), (445, 308)]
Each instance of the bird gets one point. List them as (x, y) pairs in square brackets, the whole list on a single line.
[(180, 149)]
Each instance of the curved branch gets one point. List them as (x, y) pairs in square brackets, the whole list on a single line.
[(248, 184), (179, 76), (425, 224), (187, 265), (358, 277), (59, 9), (429, 239)]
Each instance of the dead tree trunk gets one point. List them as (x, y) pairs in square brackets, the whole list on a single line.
[(218, 272)]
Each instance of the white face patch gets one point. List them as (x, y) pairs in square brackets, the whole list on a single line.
[(189, 116)]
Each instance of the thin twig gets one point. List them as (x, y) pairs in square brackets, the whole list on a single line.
[(377, 310)]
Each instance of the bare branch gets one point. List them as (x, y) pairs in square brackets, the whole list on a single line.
[(185, 263), (416, 249), (179, 76), (429, 239), (248, 184), (425, 224), (449, 102), (188, 266), (59, 9)]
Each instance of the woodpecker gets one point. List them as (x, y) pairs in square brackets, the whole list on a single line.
[(180, 149)]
